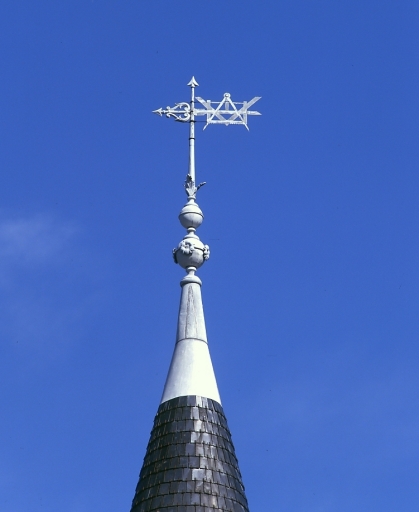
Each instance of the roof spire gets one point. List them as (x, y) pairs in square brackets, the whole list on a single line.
[(190, 462)]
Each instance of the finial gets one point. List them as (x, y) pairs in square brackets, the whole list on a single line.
[(191, 253), (192, 82)]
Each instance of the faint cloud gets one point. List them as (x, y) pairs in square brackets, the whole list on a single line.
[(48, 285), (35, 240)]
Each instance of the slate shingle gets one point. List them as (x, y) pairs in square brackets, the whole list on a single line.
[(190, 463)]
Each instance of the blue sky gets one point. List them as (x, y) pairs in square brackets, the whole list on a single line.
[(311, 293)]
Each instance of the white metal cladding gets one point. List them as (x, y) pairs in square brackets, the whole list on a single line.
[(191, 371)]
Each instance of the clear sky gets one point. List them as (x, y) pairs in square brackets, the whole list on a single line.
[(311, 294)]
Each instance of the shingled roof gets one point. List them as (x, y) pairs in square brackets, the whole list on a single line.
[(190, 464)]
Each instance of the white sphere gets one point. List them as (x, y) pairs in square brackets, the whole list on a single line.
[(191, 215)]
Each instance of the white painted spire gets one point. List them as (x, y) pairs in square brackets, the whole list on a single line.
[(191, 372)]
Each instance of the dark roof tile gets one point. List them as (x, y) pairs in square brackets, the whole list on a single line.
[(190, 464)]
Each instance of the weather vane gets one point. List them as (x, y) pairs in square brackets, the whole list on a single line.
[(224, 112), (191, 253)]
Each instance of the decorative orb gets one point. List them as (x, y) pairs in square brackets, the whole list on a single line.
[(191, 216), (189, 253)]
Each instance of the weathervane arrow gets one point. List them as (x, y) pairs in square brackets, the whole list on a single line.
[(225, 112)]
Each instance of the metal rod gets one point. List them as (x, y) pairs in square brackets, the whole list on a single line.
[(192, 133)]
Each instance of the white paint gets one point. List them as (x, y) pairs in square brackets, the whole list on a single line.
[(191, 371)]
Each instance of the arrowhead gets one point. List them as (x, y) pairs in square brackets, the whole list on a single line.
[(193, 82), (159, 111)]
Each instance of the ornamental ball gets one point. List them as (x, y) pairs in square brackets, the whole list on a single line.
[(191, 216)]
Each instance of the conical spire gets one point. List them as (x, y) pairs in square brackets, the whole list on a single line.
[(191, 372), (190, 464)]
